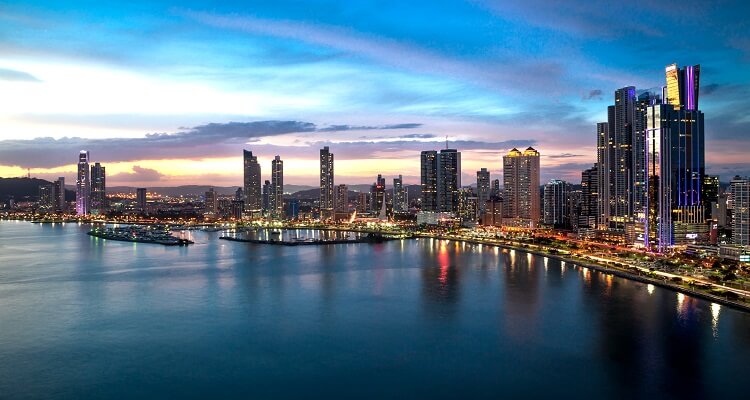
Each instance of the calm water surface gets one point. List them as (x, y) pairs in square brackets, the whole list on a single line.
[(83, 318)]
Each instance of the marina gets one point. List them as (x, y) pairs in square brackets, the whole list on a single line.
[(140, 234)]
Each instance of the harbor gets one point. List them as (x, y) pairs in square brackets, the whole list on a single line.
[(275, 239)]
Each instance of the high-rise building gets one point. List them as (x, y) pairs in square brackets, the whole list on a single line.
[(448, 180), (521, 196), (496, 192), (483, 189), (46, 198), (212, 204), (377, 193), (400, 196), (251, 179), (326, 183), (292, 210), (710, 193), (342, 198), (675, 164), (429, 180), (59, 195), (277, 188), (589, 198), (98, 189), (467, 206), (363, 202), (557, 204), (266, 196), (83, 184), (140, 199), (740, 189), (493, 213)]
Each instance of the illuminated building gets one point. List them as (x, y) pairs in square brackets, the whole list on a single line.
[(46, 198), (266, 196), (589, 198), (675, 166), (429, 179), (468, 206), (252, 189), (521, 200), (448, 180), (557, 204), (60, 205), (83, 184), (377, 193), (740, 189), (710, 193), (326, 183), (238, 207), (276, 199), (98, 189), (483, 189), (400, 197), (140, 199), (292, 210), (496, 193), (493, 213), (363, 202), (682, 87)]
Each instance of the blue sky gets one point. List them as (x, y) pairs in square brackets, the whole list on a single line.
[(375, 80)]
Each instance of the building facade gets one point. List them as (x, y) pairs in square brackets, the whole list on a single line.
[(253, 201), (484, 189), (327, 201), (98, 189), (521, 197), (83, 184), (557, 204), (276, 200)]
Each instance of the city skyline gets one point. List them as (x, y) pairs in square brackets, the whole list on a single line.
[(281, 82)]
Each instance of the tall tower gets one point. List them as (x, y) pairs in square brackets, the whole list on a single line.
[(589, 198), (277, 188), (252, 191), (483, 189), (342, 198), (521, 200), (60, 205), (377, 193), (98, 189), (448, 180), (83, 184), (675, 163), (740, 189), (429, 179), (326, 183)]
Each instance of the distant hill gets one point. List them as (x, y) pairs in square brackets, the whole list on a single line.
[(413, 191), (26, 188)]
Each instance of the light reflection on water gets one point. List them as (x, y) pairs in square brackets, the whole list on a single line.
[(405, 318)]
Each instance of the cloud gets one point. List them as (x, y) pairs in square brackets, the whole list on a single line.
[(139, 174), (564, 155), (343, 128), (16, 76), (595, 94)]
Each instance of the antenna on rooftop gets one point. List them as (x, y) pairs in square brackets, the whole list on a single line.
[(446, 142)]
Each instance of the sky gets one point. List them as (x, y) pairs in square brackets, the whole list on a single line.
[(169, 93)]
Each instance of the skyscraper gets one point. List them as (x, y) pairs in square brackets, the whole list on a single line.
[(483, 189), (400, 198), (589, 198), (326, 183), (496, 193), (448, 180), (521, 187), (557, 204), (98, 189), (83, 184), (277, 188), (60, 205), (46, 198), (377, 193), (266, 196), (252, 191), (740, 189), (710, 193), (429, 179), (675, 164)]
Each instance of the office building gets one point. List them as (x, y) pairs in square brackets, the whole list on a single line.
[(377, 194), (363, 202), (468, 206), (448, 180), (253, 200), (429, 180), (83, 184), (493, 213), (589, 198), (484, 190), (557, 204), (521, 197), (342, 198), (46, 201), (212, 204), (266, 196), (276, 200), (496, 192), (710, 193), (675, 164), (326, 183)]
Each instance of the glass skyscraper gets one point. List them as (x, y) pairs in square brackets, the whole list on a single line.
[(83, 184)]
